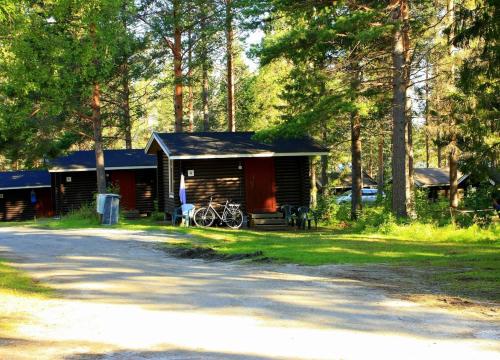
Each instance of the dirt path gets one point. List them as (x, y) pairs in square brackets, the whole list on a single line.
[(123, 298)]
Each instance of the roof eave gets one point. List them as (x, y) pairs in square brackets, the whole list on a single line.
[(235, 156), (25, 187), (58, 170), (155, 137)]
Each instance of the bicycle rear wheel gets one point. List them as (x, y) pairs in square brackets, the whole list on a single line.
[(204, 217), (234, 219)]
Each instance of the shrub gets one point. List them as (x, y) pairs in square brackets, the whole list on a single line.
[(476, 199), (431, 212), (86, 214)]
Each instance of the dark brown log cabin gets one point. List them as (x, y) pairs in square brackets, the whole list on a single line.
[(25, 195), (74, 179), (436, 181), (259, 176)]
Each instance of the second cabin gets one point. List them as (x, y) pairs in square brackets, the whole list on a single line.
[(74, 179), (233, 166)]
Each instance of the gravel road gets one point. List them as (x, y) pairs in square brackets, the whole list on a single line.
[(121, 297)]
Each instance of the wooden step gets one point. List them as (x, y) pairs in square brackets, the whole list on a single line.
[(271, 221), (266, 215), (271, 227)]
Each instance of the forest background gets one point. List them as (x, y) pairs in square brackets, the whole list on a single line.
[(387, 86)]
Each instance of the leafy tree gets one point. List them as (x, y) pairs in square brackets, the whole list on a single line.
[(64, 55)]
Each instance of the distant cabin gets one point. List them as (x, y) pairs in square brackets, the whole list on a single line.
[(233, 165), (74, 179), (437, 181), (342, 182), (25, 195)]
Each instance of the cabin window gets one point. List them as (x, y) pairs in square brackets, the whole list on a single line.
[(171, 178)]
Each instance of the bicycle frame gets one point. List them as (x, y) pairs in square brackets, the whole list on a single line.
[(224, 212)]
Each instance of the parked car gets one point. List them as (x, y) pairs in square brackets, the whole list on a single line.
[(367, 196)]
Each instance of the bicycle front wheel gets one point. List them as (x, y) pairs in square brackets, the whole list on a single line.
[(234, 219), (204, 217)]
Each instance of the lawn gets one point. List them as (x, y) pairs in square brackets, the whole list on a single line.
[(463, 262), (19, 283)]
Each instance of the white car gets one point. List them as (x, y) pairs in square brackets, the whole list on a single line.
[(367, 196)]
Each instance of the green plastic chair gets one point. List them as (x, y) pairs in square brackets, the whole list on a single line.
[(288, 214), (305, 216)]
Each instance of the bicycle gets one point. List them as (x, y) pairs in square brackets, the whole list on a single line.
[(231, 215)]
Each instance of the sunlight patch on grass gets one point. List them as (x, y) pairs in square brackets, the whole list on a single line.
[(17, 282)]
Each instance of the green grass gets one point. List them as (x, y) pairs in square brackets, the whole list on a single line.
[(18, 282), (461, 261)]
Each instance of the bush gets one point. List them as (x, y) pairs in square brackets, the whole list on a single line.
[(477, 199), (429, 211), (86, 214), (378, 216)]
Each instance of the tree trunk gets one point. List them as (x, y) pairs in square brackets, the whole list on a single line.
[(439, 154), (190, 83), (410, 179), (178, 78), (314, 188), (453, 149), (98, 146), (427, 117), (357, 183), (206, 113), (324, 159), (380, 172), (127, 120), (231, 109), (126, 117), (370, 160), (400, 184), (204, 68)]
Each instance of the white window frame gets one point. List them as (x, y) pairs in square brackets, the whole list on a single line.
[(170, 178)]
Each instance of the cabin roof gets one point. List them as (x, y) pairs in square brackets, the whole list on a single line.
[(435, 177), (27, 179), (210, 145), (113, 160), (344, 181)]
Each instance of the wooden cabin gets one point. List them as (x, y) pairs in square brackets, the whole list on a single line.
[(25, 195), (74, 179), (233, 165), (437, 181), (343, 182)]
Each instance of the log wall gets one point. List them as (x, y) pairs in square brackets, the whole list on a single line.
[(69, 196), (223, 179), (16, 204)]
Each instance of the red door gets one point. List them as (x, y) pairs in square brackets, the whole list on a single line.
[(43, 205), (260, 185), (126, 181)]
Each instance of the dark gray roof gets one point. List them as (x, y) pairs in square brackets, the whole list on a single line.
[(24, 179), (429, 177), (113, 159), (230, 144), (345, 181)]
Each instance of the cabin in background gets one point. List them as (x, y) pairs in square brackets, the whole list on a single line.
[(232, 165), (25, 195), (74, 179), (342, 182), (437, 181)]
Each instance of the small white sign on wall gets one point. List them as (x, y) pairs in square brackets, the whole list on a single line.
[(68, 178), (190, 172)]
